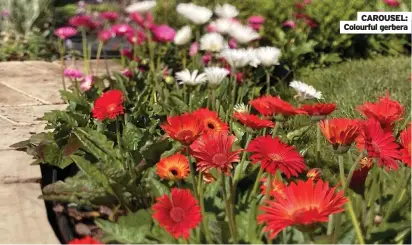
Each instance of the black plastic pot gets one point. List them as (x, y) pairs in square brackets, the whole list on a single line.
[(60, 222)]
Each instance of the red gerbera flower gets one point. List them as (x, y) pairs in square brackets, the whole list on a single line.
[(252, 121), (276, 187), (406, 146), (214, 150), (109, 105), (340, 132), (386, 111), (179, 213), (305, 204), (184, 128), (85, 240), (273, 155), (211, 121), (317, 111), (270, 105), (379, 144)]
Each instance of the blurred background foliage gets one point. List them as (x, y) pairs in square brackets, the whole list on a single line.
[(302, 46)]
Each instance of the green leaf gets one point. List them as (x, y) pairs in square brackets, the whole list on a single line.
[(93, 172), (297, 133), (157, 187), (178, 103), (130, 229), (252, 231), (57, 117), (152, 151), (132, 136)]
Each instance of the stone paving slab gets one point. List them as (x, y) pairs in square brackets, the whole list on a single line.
[(15, 167), (12, 134), (24, 217), (19, 115), (9, 97)]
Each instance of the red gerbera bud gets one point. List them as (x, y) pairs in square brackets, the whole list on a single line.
[(109, 105), (314, 174), (340, 132), (184, 128), (269, 105), (379, 144), (303, 205), (386, 111), (85, 240), (317, 111), (179, 213), (252, 121), (214, 150), (276, 187), (357, 182), (211, 121), (406, 146), (274, 155)]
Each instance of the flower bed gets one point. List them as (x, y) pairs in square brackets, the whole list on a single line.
[(199, 141)]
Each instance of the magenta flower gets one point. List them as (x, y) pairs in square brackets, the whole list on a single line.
[(311, 22), (232, 43), (127, 73), (206, 59), (127, 53), (65, 32), (72, 73), (255, 22), (87, 83), (4, 13), (122, 29), (163, 33), (289, 23), (194, 48), (144, 22), (138, 37), (109, 16), (105, 35), (392, 3), (85, 21)]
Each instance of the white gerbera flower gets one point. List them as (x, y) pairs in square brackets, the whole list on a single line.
[(226, 11), (215, 75), (236, 57), (213, 42), (242, 108), (193, 79), (242, 33), (254, 61), (183, 36), (223, 25), (197, 14), (305, 91), (268, 56), (141, 7)]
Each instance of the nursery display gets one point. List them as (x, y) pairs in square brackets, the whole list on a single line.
[(203, 138)]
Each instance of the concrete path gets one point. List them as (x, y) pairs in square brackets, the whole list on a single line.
[(27, 90)]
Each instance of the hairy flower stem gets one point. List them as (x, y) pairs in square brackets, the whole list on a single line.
[(99, 52), (241, 166), (267, 81), (119, 142), (62, 51), (192, 172), (276, 129), (256, 185), (85, 53), (318, 138), (229, 213), (202, 207)]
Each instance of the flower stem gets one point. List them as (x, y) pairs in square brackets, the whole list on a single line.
[(267, 81), (202, 207), (256, 185), (318, 138), (119, 141), (275, 130), (99, 51), (62, 62), (85, 55), (228, 211), (192, 172), (242, 161), (268, 186)]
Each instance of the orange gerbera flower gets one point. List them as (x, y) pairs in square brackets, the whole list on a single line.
[(340, 132), (270, 105), (211, 121), (317, 111), (406, 146), (272, 154), (386, 111), (304, 204), (173, 167), (184, 128), (252, 121), (276, 187), (214, 150)]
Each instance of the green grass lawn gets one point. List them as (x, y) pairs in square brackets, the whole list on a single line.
[(349, 85)]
